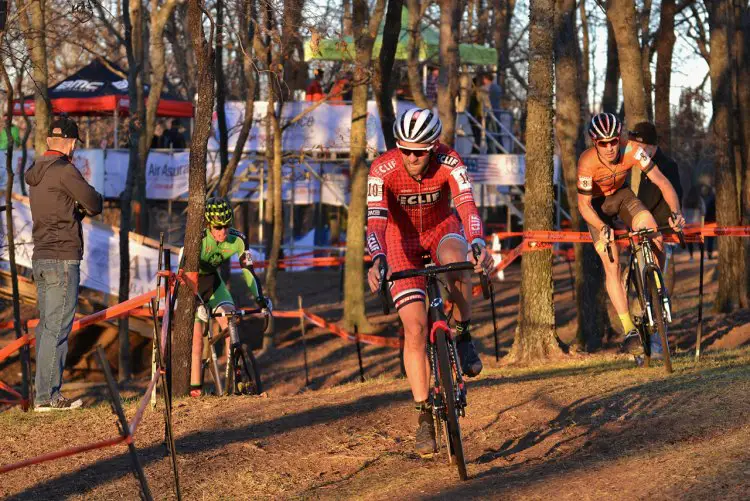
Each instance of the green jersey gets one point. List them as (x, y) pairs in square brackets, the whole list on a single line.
[(214, 253)]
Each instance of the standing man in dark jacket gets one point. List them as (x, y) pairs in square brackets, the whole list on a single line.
[(60, 198)]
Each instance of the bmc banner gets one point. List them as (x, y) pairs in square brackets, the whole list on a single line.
[(100, 268)]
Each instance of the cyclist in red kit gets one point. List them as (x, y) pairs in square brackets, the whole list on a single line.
[(409, 193)]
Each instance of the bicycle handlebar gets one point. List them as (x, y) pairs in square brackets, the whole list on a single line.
[(648, 233), (237, 313)]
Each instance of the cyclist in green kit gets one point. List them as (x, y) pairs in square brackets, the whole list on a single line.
[(220, 242)]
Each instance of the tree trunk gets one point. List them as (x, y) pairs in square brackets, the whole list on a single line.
[(184, 58), (731, 264), (646, 57), (450, 32), (183, 331), (278, 214), (34, 26), (585, 62), (133, 23), (535, 336), (10, 236), (621, 13), (221, 112), (382, 84), (664, 50), (503, 16), (346, 22), (416, 12), (612, 76), (354, 272), (569, 128), (247, 12)]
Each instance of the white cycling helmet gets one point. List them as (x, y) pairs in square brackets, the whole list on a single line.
[(604, 126), (418, 125)]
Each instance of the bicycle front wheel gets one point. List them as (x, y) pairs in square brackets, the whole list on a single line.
[(244, 373), (660, 325), (448, 389)]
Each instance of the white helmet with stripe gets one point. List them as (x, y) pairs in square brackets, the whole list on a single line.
[(418, 125), (604, 126)]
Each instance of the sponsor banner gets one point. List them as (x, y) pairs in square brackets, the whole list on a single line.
[(327, 126), (100, 268), (90, 163), (16, 168)]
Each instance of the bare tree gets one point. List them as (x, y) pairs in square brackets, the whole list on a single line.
[(612, 74), (584, 60), (645, 15), (365, 26), (732, 291), (621, 13), (247, 35), (535, 336), (417, 9), (204, 53), (503, 14), (450, 67), (569, 128), (665, 41), (33, 24), (221, 112), (384, 80), (133, 24), (9, 227)]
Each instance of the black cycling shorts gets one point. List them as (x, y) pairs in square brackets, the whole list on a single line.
[(622, 203)]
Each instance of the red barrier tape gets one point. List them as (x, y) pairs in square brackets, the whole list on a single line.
[(63, 453), (365, 338), (145, 399)]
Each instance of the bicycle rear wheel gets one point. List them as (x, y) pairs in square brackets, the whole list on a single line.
[(657, 308), (244, 374), (448, 389)]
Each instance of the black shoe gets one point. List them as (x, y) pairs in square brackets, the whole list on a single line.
[(632, 343), (425, 442), (59, 404), (471, 365)]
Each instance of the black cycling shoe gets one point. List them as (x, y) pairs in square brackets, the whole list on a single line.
[(632, 343), (471, 365), (425, 442)]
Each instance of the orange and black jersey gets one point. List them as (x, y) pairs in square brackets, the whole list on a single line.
[(599, 179)]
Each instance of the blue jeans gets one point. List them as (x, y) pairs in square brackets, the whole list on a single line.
[(57, 296)]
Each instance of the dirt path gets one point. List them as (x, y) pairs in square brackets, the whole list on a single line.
[(591, 427), (585, 429)]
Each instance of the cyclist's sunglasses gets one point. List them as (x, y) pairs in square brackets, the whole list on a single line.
[(609, 142), (417, 152), (220, 227)]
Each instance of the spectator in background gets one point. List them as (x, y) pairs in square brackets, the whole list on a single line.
[(476, 109), (158, 140), (493, 93), (694, 210), (60, 198), (314, 90), (431, 85), (173, 137), (9, 132), (341, 90)]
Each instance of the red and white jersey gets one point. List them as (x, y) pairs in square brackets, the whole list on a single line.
[(399, 202)]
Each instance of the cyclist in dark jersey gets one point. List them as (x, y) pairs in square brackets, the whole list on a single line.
[(220, 242)]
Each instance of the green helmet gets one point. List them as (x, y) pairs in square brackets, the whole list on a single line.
[(218, 211)]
